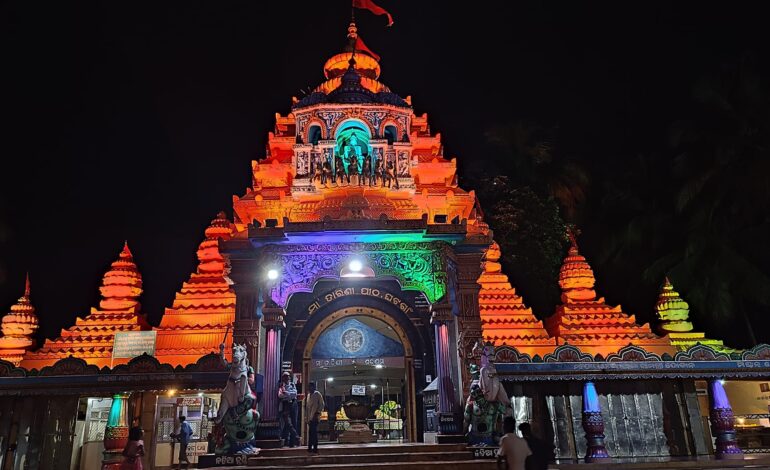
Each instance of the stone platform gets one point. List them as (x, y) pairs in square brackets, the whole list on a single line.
[(414, 456), (382, 454)]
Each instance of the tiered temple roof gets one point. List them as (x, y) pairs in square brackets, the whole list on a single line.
[(18, 327), (673, 315), (585, 321), (91, 337), (283, 190), (505, 320), (203, 309)]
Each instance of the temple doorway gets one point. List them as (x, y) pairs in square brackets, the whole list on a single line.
[(361, 356)]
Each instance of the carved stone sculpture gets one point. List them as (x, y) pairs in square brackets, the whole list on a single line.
[(237, 415)]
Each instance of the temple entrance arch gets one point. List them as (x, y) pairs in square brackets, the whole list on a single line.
[(344, 319), (401, 312)]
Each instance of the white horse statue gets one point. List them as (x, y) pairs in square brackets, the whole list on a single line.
[(237, 388), (491, 386)]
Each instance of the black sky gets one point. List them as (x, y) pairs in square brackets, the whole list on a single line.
[(136, 121)]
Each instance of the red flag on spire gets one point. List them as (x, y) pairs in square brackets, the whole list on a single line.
[(360, 46), (373, 7)]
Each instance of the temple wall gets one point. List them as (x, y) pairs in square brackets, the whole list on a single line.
[(646, 418)]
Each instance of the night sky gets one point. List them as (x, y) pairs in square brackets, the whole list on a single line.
[(132, 121)]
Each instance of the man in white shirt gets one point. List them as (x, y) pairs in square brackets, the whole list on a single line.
[(314, 405), (513, 448)]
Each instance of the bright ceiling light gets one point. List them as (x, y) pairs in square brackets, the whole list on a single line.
[(272, 274), (356, 265)]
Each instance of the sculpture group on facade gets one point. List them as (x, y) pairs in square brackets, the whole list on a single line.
[(354, 169), (237, 417), (487, 401)]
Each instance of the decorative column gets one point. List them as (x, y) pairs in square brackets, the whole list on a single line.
[(272, 320), (441, 317), (469, 268), (723, 423), (116, 432), (593, 424)]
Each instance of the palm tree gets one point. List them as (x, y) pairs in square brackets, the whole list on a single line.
[(701, 214), (530, 157)]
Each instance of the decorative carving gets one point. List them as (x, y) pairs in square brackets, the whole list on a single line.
[(209, 363), (701, 352), (7, 369), (511, 355), (567, 353), (142, 365), (375, 118), (70, 366), (330, 118), (301, 121), (593, 425), (723, 426), (417, 266), (303, 164), (632, 353), (758, 352)]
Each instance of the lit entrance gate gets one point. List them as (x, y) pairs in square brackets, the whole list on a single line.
[(381, 342), (360, 357)]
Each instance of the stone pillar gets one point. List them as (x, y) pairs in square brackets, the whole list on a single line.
[(469, 270), (273, 322), (116, 432), (593, 424), (441, 318), (723, 422)]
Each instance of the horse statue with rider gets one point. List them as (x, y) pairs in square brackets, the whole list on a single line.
[(237, 417)]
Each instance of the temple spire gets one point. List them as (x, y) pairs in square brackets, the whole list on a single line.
[(672, 311), (587, 321), (91, 337), (673, 319), (18, 327), (205, 306)]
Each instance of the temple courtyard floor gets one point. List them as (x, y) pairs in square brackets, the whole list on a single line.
[(406, 456)]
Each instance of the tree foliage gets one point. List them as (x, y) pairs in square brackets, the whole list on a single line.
[(699, 211), (531, 235)]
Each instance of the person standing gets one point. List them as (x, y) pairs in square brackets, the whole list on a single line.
[(182, 434), (542, 452), (314, 405), (134, 450), (287, 408), (512, 448)]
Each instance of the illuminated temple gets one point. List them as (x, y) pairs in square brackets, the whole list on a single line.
[(354, 260)]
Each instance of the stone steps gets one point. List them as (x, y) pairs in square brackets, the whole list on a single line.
[(361, 449), (322, 459)]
